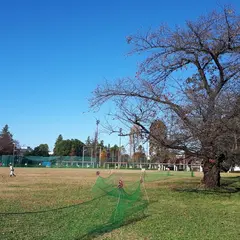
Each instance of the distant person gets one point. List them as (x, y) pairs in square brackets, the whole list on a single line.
[(12, 171)]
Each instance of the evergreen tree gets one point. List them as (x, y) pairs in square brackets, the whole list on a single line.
[(57, 143), (5, 130)]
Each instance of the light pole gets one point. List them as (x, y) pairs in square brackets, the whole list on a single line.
[(13, 153), (83, 155), (119, 150), (91, 155), (100, 152), (96, 141)]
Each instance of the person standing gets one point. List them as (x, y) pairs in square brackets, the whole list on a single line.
[(12, 171)]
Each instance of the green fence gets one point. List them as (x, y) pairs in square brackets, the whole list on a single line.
[(5, 160), (51, 161)]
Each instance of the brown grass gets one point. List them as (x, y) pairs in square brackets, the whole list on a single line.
[(34, 188), (45, 186)]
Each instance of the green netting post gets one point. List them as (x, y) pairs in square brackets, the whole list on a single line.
[(192, 174), (168, 173)]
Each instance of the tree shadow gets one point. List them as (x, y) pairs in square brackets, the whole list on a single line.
[(229, 185), (227, 181)]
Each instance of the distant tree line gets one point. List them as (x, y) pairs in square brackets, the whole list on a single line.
[(62, 147)]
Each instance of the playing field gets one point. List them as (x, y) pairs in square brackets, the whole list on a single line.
[(47, 203)]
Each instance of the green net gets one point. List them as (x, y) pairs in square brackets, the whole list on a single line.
[(123, 202)]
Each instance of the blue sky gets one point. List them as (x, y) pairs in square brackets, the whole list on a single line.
[(54, 53)]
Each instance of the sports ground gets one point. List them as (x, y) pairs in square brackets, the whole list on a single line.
[(46, 203)]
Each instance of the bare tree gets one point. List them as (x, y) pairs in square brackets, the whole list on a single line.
[(183, 79), (158, 132), (229, 141)]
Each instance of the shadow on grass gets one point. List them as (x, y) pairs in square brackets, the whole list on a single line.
[(48, 210), (227, 181), (229, 185), (106, 228)]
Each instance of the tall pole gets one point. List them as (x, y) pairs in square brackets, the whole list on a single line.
[(83, 157), (91, 155), (119, 150), (147, 145), (96, 139), (100, 150), (13, 154)]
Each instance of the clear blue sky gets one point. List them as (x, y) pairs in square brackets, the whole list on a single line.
[(54, 53)]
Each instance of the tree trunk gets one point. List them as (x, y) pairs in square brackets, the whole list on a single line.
[(211, 171)]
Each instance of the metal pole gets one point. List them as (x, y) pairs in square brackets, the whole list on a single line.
[(96, 139), (119, 150), (100, 156), (83, 156), (91, 155), (13, 154)]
